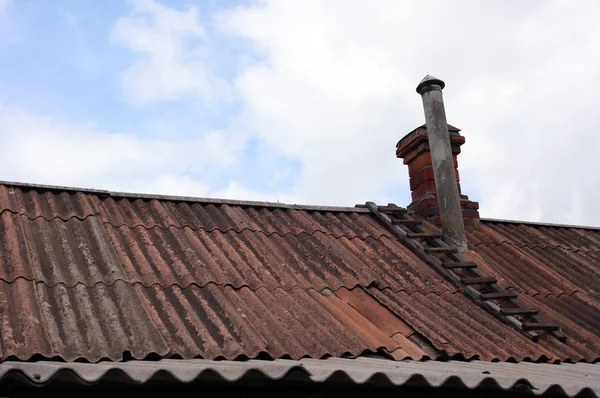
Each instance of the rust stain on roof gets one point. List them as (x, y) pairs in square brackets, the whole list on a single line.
[(49, 205), (154, 249), (537, 236), (540, 271), (108, 321), (540, 259), (84, 274), (458, 327)]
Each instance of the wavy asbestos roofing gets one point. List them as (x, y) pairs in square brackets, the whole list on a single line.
[(107, 321), (559, 380), (540, 260), (97, 275)]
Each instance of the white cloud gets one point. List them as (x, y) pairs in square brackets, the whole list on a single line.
[(173, 55), (4, 23), (50, 152), (238, 191), (335, 89), (36, 149)]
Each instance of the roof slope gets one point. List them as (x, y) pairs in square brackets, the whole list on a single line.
[(94, 274)]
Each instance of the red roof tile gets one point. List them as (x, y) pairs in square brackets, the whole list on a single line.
[(455, 325), (88, 251), (540, 271), (49, 205), (95, 275), (107, 321), (536, 236), (14, 257), (70, 252)]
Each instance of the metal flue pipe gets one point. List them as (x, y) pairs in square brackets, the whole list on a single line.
[(453, 227)]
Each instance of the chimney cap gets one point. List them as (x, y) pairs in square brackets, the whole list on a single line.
[(421, 133), (428, 81)]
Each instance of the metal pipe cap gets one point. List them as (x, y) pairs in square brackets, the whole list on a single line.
[(427, 82)]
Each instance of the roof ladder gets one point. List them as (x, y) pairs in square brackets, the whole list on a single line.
[(480, 287)]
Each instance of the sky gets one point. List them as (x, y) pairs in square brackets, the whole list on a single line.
[(303, 101)]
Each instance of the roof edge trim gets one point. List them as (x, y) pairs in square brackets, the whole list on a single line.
[(357, 209), (539, 224), (193, 199)]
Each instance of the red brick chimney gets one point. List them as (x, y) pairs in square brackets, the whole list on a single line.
[(414, 149)]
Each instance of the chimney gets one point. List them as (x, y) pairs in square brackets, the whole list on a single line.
[(430, 152)]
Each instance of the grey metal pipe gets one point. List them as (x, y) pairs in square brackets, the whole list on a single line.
[(446, 185)]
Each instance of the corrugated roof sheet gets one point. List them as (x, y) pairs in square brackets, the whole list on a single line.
[(560, 380), (539, 260), (540, 271), (151, 242), (456, 326), (537, 236), (93, 275), (107, 321)]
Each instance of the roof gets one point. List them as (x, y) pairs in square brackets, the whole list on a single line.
[(560, 380), (94, 275)]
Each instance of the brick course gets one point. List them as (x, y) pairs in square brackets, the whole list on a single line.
[(415, 152)]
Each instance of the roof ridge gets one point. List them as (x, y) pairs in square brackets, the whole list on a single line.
[(143, 196), (233, 202), (538, 223)]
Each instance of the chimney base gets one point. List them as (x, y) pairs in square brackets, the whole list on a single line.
[(427, 207)]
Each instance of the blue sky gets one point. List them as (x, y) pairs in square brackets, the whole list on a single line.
[(60, 60), (301, 101)]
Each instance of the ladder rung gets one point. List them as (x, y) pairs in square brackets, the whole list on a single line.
[(498, 295), (441, 250), (518, 311), (391, 209), (404, 222), (415, 235), (479, 280), (540, 326), (459, 264)]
